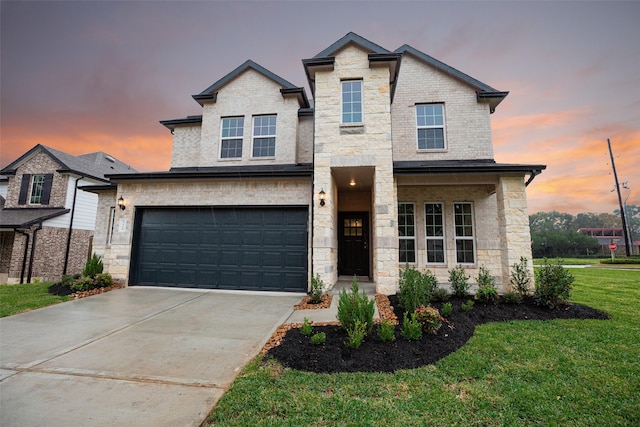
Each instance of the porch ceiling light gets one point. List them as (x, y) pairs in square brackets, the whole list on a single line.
[(121, 203), (322, 196), (352, 182)]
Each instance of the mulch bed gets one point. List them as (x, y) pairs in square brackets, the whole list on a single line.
[(64, 290), (294, 350), (306, 304)]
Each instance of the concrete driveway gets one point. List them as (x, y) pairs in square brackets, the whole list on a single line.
[(131, 357)]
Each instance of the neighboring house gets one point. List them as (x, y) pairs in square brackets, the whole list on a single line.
[(47, 221), (392, 166), (606, 236)]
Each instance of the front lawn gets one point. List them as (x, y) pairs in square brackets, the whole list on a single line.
[(15, 299), (559, 372)]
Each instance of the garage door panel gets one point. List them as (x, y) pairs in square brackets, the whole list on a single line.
[(226, 248)]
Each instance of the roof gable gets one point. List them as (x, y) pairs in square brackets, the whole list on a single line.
[(484, 91), (210, 93), (352, 38), (93, 165)]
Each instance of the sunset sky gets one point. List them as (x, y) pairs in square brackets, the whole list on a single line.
[(98, 76)]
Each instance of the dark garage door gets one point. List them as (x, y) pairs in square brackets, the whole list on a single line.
[(221, 248)]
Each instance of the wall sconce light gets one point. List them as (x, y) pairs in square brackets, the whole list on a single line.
[(322, 195), (121, 203)]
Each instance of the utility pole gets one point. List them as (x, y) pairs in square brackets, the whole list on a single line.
[(627, 244)]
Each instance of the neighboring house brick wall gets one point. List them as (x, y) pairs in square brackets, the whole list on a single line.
[(6, 248), (468, 126), (249, 94), (39, 164)]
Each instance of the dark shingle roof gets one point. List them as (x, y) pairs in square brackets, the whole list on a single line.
[(351, 37), (25, 217), (94, 165)]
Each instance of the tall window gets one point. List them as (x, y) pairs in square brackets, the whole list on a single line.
[(434, 226), (111, 224), (352, 101), (407, 232), (231, 140), (264, 136), (37, 184), (430, 124), (464, 233)]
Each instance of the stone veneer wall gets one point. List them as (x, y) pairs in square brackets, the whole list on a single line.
[(338, 145), (222, 192)]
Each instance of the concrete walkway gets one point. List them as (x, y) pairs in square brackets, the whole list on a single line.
[(131, 357)]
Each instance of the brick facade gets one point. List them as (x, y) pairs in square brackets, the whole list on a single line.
[(40, 163)]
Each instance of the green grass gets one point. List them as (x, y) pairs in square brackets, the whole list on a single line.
[(15, 299), (569, 261), (521, 373)]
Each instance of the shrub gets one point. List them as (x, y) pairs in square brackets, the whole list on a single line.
[(317, 288), (306, 328), (93, 266), (440, 294), (446, 310), (429, 318), (83, 284), (459, 281), (411, 328), (319, 339), (511, 298), (487, 292), (520, 279), (553, 284), (356, 334), (467, 306), (416, 288), (355, 307), (386, 331), (102, 280)]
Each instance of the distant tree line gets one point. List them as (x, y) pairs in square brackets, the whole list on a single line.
[(555, 234)]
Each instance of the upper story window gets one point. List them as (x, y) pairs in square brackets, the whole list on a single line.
[(37, 185), (430, 125), (407, 232), (352, 101), (264, 136), (231, 139), (463, 217)]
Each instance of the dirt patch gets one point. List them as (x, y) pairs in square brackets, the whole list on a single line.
[(294, 350)]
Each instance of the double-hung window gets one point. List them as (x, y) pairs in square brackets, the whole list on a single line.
[(407, 232), (37, 186), (264, 136), (351, 101), (463, 217), (434, 227), (231, 137), (430, 125)]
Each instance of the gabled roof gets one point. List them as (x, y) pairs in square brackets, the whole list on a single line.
[(210, 93), (483, 90), (93, 165), (351, 38), (377, 55)]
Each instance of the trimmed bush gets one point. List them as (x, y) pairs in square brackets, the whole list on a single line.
[(511, 298), (306, 328), (319, 339), (411, 328), (459, 281), (317, 288), (553, 284), (355, 307), (430, 319), (416, 288), (356, 334), (520, 279), (446, 310), (487, 292), (467, 306), (440, 294), (93, 266), (386, 331)]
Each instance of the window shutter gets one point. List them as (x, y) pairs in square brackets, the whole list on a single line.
[(24, 189), (46, 189)]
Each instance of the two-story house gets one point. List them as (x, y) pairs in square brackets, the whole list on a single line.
[(393, 165), (48, 219)]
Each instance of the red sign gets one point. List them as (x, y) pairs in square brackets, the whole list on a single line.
[(613, 246)]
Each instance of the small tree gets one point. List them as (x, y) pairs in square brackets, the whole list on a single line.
[(355, 307), (520, 278), (553, 284), (416, 288), (459, 281)]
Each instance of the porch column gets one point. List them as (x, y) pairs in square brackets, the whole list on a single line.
[(325, 245), (385, 228)]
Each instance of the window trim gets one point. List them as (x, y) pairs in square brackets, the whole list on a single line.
[(412, 238), (443, 127), (41, 188), (471, 238), (351, 123), (253, 136), (111, 224), (443, 238), (228, 138)]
